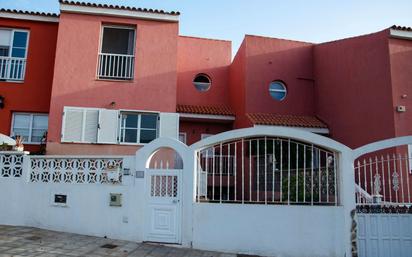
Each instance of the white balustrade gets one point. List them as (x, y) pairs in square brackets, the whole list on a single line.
[(78, 170), (12, 68), (115, 66), (11, 164)]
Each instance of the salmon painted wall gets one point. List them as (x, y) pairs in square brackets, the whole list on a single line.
[(353, 89), (237, 82), (209, 56), (33, 95), (75, 83), (270, 59), (400, 51)]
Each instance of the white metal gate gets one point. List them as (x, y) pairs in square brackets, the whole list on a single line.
[(385, 234), (383, 178), (163, 210)]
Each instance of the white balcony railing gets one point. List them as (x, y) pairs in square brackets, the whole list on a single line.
[(115, 66), (12, 68)]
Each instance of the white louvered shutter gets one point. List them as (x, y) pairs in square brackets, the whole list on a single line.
[(91, 123), (72, 125), (5, 36), (108, 124), (169, 125)]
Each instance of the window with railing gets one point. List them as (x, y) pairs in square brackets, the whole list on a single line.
[(116, 56), (13, 54)]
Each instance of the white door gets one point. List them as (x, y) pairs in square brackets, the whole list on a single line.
[(163, 208)]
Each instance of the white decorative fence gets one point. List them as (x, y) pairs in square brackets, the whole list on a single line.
[(267, 170), (115, 66), (383, 180), (12, 68), (80, 170), (11, 164)]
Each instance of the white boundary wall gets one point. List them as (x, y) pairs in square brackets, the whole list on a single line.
[(269, 230), (87, 211), (256, 229)]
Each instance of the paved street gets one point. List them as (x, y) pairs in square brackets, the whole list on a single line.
[(25, 241)]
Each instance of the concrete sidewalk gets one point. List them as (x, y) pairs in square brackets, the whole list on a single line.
[(25, 241)]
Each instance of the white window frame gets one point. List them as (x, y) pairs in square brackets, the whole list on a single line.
[(278, 90), (12, 38), (131, 27), (208, 84), (102, 27), (184, 136), (139, 128), (31, 114), (11, 49), (410, 158)]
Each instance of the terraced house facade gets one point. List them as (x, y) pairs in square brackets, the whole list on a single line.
[(103, 79)]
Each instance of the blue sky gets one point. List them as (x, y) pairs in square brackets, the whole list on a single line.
[(312, 21)]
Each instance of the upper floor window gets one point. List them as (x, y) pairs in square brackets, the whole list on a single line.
[(31, 126), (138, 127), (277, 90), (13, 53), (202, 82), (116, 57)]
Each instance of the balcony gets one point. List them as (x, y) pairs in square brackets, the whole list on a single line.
[(12, 68), (116, 55), (115, 66)]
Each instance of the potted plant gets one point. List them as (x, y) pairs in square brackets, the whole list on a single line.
[(19, 144)]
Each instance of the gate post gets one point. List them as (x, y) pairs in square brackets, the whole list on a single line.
[(347, 195)]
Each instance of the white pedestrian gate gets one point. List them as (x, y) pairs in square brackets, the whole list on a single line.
[(163, 212)]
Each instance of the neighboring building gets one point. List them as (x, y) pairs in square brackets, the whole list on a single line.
[(27, 50), (123, 76)]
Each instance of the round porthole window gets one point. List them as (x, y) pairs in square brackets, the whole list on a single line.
[(277, 90), (202, 82)]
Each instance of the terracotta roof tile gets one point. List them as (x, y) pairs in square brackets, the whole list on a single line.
[(47, 14), (285, 120), (210, 110), (404, 28), (120, 7)]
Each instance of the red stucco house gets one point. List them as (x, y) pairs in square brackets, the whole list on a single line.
[(105, 79)]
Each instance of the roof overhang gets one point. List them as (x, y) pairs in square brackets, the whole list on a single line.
[(323, 131), (206, 117), (403, 34), (136, 14), (30, 17)]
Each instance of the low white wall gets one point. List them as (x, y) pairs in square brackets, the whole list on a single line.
[(269, 230), (88, 211), (12, 202)]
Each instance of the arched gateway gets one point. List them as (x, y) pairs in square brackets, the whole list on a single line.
[(162, 163)]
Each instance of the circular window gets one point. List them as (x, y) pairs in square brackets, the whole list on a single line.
[(202, 82), (277, 90)]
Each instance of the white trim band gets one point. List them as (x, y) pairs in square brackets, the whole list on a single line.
[(206, 116), (118, 13), (313, 130), (401, 34), (31, 17)]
